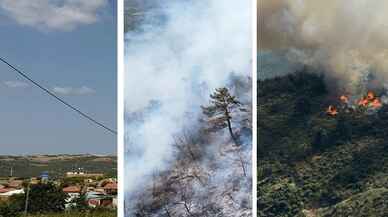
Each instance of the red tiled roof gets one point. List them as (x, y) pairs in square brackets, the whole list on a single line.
[(15, 183), (111, 185), (5, 190), (94, 202), (72, 189)]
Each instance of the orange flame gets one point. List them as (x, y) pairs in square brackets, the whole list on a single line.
[(332, 110), (363, 102), (376, 103), (370, 96), (344, 99), (370, 100)]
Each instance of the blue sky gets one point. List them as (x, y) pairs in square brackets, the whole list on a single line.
[(74, 55)]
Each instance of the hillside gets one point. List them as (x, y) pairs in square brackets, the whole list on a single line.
[(210, 173), (318, 165), (56, 165)]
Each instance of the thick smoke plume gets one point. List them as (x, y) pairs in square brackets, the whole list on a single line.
[(173, 62), (349, 39)]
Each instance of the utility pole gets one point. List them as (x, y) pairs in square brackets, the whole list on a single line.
[(11, 172), (27, 197)]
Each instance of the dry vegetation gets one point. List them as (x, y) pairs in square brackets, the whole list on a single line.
[(210, 174)]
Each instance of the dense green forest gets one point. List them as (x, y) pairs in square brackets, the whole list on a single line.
[(318, 165)]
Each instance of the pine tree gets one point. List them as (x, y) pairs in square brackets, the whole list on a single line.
[(219, 112)]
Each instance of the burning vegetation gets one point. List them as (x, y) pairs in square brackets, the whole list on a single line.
[(368, 102), (321, 161), (332, 110)]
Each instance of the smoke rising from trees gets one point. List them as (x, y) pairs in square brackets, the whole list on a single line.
[(173, 62)]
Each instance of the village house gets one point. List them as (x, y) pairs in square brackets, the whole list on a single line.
[(15, 184), (5, 193), (73, 192), (80, 174), (110, 188), (104, 195), (10, 187), (100, 190), (34, 181), (98, 199)]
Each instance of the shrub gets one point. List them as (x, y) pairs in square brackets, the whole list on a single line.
[(42, 198), (9, 210)]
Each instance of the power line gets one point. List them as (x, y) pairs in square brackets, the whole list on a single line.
[(57, 97)]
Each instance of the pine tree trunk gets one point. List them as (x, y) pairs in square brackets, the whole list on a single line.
[(235, 140), (242, 162), (167, 212), (231, 131), (187, 209)]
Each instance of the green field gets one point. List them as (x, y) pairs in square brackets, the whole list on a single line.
[(78, 214), (56, 165)]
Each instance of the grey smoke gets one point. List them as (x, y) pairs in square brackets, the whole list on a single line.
[(347, 38), (171, 67)]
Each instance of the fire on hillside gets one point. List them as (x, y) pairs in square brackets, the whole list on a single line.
[(370, 102)]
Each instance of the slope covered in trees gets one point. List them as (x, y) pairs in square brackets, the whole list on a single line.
[(314, 164), (210, 174)]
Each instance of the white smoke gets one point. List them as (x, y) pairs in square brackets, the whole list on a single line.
[(172, 66)]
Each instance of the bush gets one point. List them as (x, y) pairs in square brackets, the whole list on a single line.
[(9, 210), (42, 198), (284, 201)]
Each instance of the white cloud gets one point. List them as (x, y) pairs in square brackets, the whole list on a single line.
[(16, 84), (73, 90), (64, 15)]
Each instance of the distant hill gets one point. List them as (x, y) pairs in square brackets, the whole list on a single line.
[(56, 165), (313, 164)]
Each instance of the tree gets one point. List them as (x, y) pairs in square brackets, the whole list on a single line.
[(45, 198), (223, 104)]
